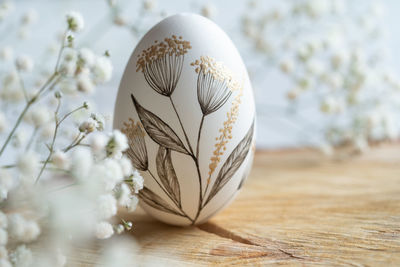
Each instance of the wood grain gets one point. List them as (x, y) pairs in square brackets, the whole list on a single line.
[(297, 208)]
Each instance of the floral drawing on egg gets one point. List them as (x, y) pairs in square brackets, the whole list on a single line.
[(161, 65)]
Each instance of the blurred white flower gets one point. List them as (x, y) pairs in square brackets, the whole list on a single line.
[(137, 182), (104, 230), (22, 229), (75, 21), (98, 143), (29, 17), (107, 206), (87, 56), (68, 68), (126, 166), (21, 256), (209, 10), (6, 53), (6, 183), (60, 160), (133, 203), (81, 163), (88, 126), (39, 116), (149, 4), (85, 84), (3, 220), (28, 163), (102, 69), (117, 143), (287, 66), (24, 63)]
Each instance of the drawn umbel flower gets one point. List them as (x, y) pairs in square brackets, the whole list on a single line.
[(162, 64), (215, 84), (136, 151)]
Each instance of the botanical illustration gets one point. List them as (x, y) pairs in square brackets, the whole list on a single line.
[(161, 65)]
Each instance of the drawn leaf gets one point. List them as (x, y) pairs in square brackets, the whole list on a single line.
[(155, 201), (167, 174), (158, 130), (232, 163)]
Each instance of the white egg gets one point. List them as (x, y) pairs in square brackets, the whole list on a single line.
[(186, 104)]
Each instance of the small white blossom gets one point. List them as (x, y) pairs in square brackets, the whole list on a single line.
[(117, 143), (287, 66), (98, 143), (60, 160), (102, 69), (133, 203), (24, 63), (87, 56), (111, 174), (209, 10), (39, 116), (149, 4), (124, 195), (29, 17), (137, 181), (126, 166), (22, 256), (81, 163), (85, 84), (68, 68), (104, 230), (88, 126), (107, 206), (47, 131), (6, 53), (6, 183), (28, 163), (22, 229), (70, 54), (75, 21)]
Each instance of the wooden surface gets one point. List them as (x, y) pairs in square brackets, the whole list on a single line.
[(297, 208)]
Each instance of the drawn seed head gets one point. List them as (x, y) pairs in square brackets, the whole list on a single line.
[(161, 64), (215, 84), (137, 151)]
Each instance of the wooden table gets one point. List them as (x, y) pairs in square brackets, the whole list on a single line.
[(297, 208)]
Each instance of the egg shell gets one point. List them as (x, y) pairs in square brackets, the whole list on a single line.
[(186, 77)]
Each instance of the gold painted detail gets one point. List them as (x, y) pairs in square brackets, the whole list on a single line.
[(218, 70), (170, 46), (225, 133)]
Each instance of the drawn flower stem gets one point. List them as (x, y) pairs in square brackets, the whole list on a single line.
[(181, 124), (178, 205)]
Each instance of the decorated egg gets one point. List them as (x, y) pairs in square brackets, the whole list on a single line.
[(186, 104)]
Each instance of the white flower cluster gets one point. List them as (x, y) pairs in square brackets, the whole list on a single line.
[(63, 178), (334, 57)]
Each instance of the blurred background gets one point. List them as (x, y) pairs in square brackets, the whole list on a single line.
[(324, 72)]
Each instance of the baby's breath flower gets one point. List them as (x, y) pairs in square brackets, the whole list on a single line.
[(107, 206), (6, 183), (39, 116), (68, 68), (149, 4), (117, 143), (81, 163), (137, 181), (102, 69), (87, 56), (3, 220), (75, 21), (3, 237), (22, 229), (104, 230), (6, 53), (209, 10), (85, 84), (24, 63), (98, 143), (88, 126), (29, 17), (60, 160), (21, 256), (133, 203), (28, 163), (126, 166)]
